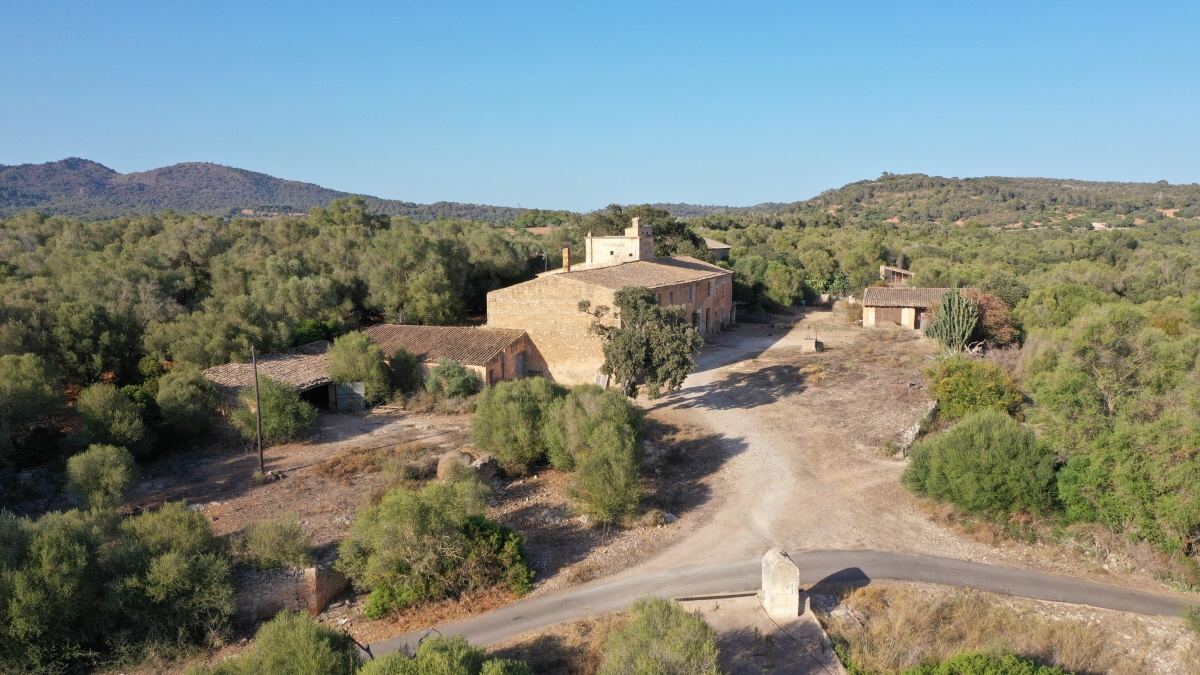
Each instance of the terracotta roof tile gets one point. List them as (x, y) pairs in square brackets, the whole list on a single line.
[(304, 367), (894, 296), (470, 345), (715, 244), (649, 273)]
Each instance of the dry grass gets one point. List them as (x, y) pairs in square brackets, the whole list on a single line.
[(889, 629), (345, 466), (570, 648)]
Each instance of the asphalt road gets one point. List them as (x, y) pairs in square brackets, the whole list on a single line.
[(817, 569)]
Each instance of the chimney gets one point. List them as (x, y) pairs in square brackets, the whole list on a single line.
[(637, 222), (566, 259)]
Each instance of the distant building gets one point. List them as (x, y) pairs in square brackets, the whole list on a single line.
[(547, 308), (719, 250), (908, 307), (895, 276), (304, 368), (495, 354)]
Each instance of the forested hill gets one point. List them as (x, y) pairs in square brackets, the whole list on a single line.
[(914, 199), (87, 189)]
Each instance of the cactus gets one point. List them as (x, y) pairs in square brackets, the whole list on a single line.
[(955, 321)]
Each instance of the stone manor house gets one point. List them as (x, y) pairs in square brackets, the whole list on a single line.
[(547, 307)]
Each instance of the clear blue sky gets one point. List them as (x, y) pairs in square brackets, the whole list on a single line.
[(557, 105)]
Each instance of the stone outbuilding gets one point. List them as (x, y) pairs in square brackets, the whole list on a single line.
[(495, 354), (719, 250), (902, 306), (304, 368), (547, 307)]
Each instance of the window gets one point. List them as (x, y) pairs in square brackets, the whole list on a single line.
[(710, 286), (670, 297), (692, 293)]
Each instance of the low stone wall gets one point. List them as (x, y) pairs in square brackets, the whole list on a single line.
[(261, 594)]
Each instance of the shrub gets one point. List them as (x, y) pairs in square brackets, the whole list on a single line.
[(110, 417), (405, 371), (438, 655), (660, 637), (977, 663), (995, 325), (451, 379), (1191, 619), (28, 388), (428, 544), (987, 463), (78, 587), (963, 386), (100, 475), (292, 644), (186, 401), (273, 544), (354, 357), (509, 419), (607, 483), (285, 416), (589, 417)]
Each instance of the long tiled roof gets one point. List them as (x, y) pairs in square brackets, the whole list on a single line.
[(304, 367), (470, 345), (711, 244), (649, 273), (879, 296)]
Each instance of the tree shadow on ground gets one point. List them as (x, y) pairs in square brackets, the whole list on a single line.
[(740, 389), (552, 654)]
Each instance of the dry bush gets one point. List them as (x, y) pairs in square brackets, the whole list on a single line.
[(345, 466), (890, 629)]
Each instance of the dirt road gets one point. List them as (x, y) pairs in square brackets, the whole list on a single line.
[(804, 434)]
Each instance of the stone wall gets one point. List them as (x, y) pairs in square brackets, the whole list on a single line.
[(261, 594), (713, 299), (547, 309)]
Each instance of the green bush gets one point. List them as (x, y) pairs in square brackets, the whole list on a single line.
[(285, 416), (509, 418), (186, 401), (100, 475), (28, 388), (954, 321), (440, 655), (428, 544), (660, 637), (590, 417), (963, 386), (988, 463), (974, 663), (79, 588), (354, 357), (110, 417), (405, 371), (274, 544), (292, 644), (451, 379)]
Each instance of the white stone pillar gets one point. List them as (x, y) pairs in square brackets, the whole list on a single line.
[(780, 592)]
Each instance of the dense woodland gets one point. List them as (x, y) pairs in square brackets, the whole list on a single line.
[(1085, 397)]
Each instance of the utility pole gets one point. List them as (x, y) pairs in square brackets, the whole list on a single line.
[(257, 412)]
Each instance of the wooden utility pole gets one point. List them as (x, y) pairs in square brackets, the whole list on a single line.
[(257, 412)]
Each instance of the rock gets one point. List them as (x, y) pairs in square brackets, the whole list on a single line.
[(670, 518), (451, 461), (486, 467)]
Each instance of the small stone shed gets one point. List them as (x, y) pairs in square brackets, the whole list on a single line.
[(718, 249), (304, 368), (495, 354), (908, 307)]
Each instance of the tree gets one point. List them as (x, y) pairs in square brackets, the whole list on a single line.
[(186, 400), (285, 416), (28, 388), (509, 420), (354, 357), (660, 637), (784, 283), (100, 475), (405, 371), (954, 321), (451, 379), (292, 644), (987, 463), (653, 346), (110, 417), (963, 386)]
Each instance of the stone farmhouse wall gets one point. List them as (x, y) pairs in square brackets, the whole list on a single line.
[(547, 309), (261, 594), (707, 304)]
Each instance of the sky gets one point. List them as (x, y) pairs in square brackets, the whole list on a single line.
[(579, 105)]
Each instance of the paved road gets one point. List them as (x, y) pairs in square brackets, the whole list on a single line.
[(817, 568)]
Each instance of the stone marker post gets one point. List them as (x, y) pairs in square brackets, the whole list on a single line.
[(780, 585)]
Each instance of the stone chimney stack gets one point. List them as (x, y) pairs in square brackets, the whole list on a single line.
[(566, 259)]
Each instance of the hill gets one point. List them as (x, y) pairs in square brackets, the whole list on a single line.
[(87, 189)]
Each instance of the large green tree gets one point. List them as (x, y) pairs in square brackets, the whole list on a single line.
[(652, 345)]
